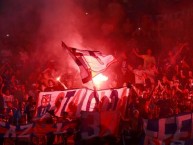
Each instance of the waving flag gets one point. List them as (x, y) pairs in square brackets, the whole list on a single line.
[(90, 63)]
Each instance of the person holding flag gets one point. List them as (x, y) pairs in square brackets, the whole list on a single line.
[(90, 63)]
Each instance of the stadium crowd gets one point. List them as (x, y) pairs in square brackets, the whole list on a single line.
[(164, 89), (158, 88)]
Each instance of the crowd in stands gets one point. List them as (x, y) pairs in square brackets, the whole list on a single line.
[(158, 89), (20, 84), (164, 89)]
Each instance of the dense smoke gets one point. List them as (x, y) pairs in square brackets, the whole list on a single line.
[(40, 26), (77, 26), (37, 27)]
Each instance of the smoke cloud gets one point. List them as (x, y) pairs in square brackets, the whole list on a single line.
[(33, 30), (78, 26), (38, 27)]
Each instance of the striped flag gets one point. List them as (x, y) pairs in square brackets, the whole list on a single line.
[(90, 63)]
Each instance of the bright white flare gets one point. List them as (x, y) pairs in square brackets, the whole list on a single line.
[(99, 79), (58, 78)]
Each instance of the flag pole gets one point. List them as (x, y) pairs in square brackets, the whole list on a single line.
[(95, 96)]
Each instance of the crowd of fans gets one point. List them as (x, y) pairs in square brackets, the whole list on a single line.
[(159, 87), (164, 89), (21, 82), (168, 82), (161, 79)]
